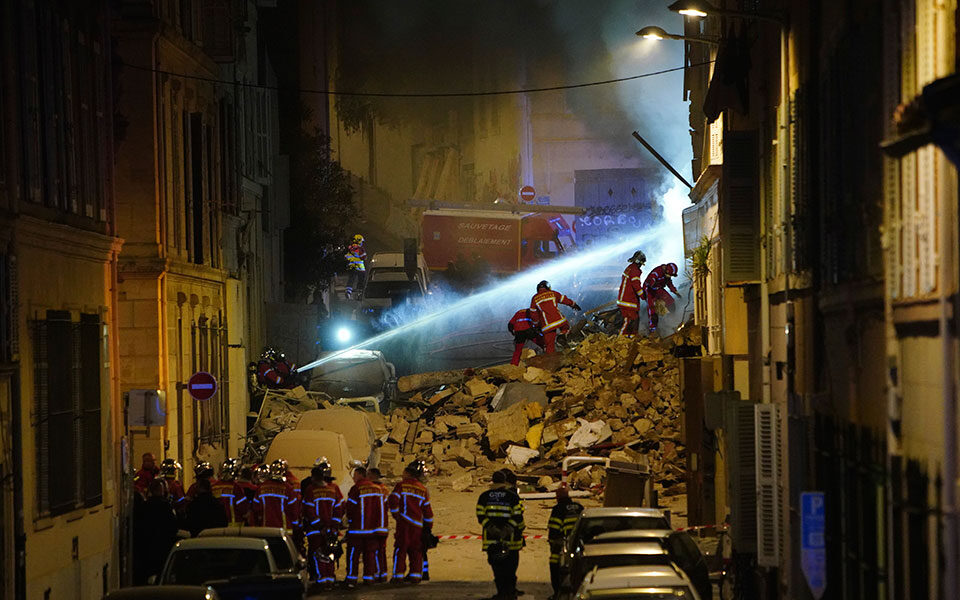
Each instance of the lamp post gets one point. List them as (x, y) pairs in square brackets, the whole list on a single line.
[(652, 32)]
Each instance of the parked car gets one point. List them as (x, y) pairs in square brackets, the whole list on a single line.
[(681, 548), (236, 567), (164, 592), (282, 547), (613, 555), (302, 447), (594, 521), (642, 583)]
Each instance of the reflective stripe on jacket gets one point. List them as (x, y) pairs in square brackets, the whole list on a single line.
[(410, 501), (365, 509), (563, 518)]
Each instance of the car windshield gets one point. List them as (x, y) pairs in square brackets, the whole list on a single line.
[(591, 527), (280, 552), (195, 567), (394, 290), (658, 593)]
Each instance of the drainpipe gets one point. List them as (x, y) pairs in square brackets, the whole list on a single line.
[(951, 552)]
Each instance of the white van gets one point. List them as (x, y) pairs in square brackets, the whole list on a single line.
[(387, 285)]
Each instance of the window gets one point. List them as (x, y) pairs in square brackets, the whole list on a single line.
[(67, 398), (208, 338), (8, 308)]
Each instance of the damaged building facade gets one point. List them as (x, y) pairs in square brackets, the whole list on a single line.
[(828, 289)]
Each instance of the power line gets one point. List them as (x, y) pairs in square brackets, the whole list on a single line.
[(410, 94)]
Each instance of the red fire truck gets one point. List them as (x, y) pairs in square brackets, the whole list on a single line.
[(508, 241)]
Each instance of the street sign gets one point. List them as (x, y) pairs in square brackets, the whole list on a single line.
[(813, 548), (543, 200), (202, 385), (527, 193)]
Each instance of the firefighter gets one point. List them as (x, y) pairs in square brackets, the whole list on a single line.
[(410, 507), (630, 294), (375, 475), (201, 471), (323, 516), (525, 327), (229, 492), (267, 374), (500, 514), (563, 517), (356, 268), (286, 370), (551, 320), (276, 503), (169, 470), (654, 292), (364, 511), (147, 473)]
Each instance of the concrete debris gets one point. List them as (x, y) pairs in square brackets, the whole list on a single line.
[(519, 456), (588, 434), (461, 481), (610, 396)]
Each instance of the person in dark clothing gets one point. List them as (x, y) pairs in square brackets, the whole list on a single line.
[(154, 532), (500, 514), (204, 511), (563, 518)]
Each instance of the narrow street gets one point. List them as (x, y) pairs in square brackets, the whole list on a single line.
[(438, 590)]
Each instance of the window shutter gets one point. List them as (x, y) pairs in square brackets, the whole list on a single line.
[(767, 436), (41, 372), (740, 450), (218, 29), (61, 400), (739, 208), (90, 402)]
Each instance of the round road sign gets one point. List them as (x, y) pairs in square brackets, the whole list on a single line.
[(202, 385), (527, 193)]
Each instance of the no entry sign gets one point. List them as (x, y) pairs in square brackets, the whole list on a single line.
[(202, 385), (527, 193)]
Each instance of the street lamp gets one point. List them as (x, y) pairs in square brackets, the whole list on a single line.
[(702, 8), (652, 32)]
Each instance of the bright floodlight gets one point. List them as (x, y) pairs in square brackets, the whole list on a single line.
[(652, 32), (343, 334), (693, 8)]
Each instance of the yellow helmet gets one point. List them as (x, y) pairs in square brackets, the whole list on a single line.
[(358, 239)]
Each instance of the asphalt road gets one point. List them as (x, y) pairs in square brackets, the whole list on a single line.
[(436, 590)]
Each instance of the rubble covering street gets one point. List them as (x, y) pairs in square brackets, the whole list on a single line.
[(609, 397)]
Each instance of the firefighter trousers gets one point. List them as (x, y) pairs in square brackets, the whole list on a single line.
[(631, 321), (382, 557), (407, 543), (365, 547), (322, 568), (505, 572)]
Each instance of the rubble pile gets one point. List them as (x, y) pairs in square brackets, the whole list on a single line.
[(610, 396)]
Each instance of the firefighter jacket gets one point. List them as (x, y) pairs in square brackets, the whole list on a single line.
[(500, 513), (142, 479), (177, 498), (365, 509), (563, 517), (355, 256), (386, 507), (631, 286), (267, 374), (322, 505), (547, 303), (232, 497), (523, 320), (276, 505), (657, 280), (410, 502)]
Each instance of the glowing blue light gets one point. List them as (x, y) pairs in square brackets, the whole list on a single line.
[(344, 334)]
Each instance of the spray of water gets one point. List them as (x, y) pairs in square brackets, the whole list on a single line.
[(449, 312)]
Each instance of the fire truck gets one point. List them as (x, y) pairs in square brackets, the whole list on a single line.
[(508, 241)]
